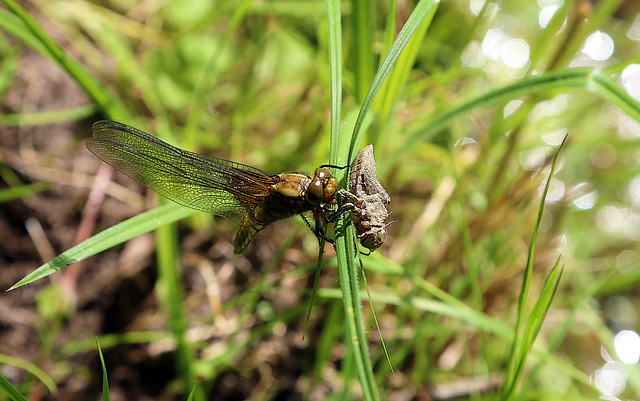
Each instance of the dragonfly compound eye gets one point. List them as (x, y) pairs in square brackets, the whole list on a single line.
[(322, 173), (329, 184), (330, 189), (315, 192)]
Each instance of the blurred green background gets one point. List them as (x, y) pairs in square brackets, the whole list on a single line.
[(464, 132)]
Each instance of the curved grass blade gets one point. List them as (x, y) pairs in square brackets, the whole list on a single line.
[(375, 317), (524, 338), (22, 191), (348, 275), (47, 117), (594, 80), (35, 36), (363, 34), (170, 287), (140, 224), (105, 378), (192, 392), (10, 390), (346, 259), (397, 81), (32, 369), (423, 10)]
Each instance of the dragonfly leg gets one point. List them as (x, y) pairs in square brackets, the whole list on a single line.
[(333, 166), (334, 214), (318, 231)]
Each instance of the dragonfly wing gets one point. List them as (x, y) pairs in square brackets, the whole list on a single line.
[(212, 185)]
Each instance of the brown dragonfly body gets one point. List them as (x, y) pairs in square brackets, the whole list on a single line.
[(242, 194), (288, 196)]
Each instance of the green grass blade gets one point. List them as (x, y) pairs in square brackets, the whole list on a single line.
[(140, 224), (47, 117), (9, 64), (375, 317), (10, 390), (609, 90), (334, 28), (41, 375), (390, 26), (16, 27), (169, 289), (423, 9), (522, 344), (585, 78), (105, 378), (41, 42), (346, 258), (192, 392), (362, 45), (348, 274), (532, 329), (22, 191), (398, 78), (113, 340), (540, 310)]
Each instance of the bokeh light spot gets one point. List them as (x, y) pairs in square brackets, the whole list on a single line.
[(555, 138), (546, 14), (584, 196), (472, 56), (493, 43), (634, 190), (627, 345), (627, 261), (630, 80), (515, 53), (610, 379), (611, 218), (533, 159), (603, 155), (633, 32), (598, 46), (556, 190), (511, 108)]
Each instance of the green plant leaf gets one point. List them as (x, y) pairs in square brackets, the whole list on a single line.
[(140, 224), (10, 390), (524, 338), (105, 378)]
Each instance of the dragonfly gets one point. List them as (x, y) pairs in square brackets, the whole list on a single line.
[(245, 195)]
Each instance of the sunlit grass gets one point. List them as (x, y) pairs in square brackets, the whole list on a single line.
[(464, 146)]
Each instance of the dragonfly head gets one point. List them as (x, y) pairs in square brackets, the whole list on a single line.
[(323, 187)]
